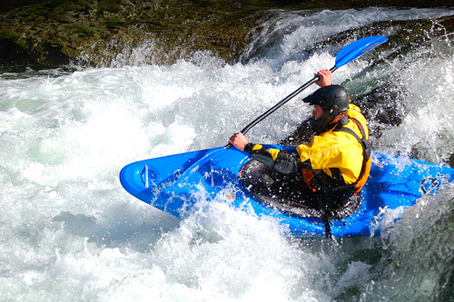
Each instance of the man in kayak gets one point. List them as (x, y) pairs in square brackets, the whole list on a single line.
[(335, 164)]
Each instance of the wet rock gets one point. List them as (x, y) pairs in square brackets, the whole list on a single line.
[(302, 134), (46, 33), (451, 160), (97, 31), (384, 106)]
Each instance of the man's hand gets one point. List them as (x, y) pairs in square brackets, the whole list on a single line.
[(239, 141), (325, 78)]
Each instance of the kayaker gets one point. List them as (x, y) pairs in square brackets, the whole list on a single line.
[(335, 164)]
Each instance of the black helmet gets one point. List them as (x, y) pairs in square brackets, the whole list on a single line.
[(333, 99)]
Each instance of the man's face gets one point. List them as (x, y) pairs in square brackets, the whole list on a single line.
[(317, 112)]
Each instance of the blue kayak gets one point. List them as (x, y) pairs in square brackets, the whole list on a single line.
[(173, 184)]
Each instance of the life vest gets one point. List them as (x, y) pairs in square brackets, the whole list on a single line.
[(269, 157), (309, 174), (367, 157)]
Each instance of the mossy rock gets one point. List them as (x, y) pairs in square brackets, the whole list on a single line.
[(76, 28)]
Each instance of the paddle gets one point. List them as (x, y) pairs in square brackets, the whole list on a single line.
[(345, 55)]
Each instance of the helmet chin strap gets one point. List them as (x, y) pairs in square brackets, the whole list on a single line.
[(340, 118)]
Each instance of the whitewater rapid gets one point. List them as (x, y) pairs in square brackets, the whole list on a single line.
[(69, 232)]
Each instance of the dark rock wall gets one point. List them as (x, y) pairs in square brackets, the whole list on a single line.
[(50, 33)]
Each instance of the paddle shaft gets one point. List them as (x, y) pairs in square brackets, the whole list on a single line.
[(282, 102)]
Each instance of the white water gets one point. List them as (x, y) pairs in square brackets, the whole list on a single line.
[(69, 232)]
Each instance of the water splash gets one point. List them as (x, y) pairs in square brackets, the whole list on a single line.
[(420, 250), (69, 232)]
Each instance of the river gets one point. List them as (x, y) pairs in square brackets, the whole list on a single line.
[(69, 232)]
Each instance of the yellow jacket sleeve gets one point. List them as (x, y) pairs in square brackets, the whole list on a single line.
[(274, 152)]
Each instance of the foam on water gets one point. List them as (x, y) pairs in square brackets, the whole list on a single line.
[(429, 88), (69, 232), (289, 35)]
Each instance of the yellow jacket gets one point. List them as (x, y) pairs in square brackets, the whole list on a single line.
[(335, 149)]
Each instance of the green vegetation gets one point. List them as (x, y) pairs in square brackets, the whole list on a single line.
[(9, 34), (112, 6)]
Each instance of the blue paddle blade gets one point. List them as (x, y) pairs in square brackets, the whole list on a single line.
[(358, 48)]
